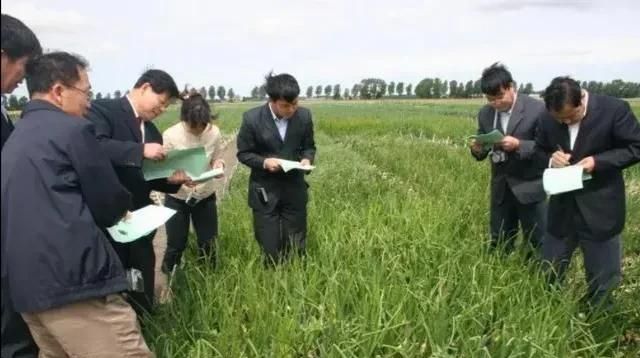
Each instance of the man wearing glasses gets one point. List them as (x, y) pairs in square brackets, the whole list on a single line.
[(517, 195), (125, 131)]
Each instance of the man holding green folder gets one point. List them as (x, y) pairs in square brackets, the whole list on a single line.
[(507, 128)]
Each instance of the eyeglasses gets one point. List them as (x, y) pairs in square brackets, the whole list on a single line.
[(88, 93)]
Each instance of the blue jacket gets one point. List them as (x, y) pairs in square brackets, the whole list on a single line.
[(58, 190)]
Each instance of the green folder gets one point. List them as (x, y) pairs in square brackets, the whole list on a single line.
[(193, 161), (493, 137)]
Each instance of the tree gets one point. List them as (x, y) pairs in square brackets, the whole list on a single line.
[(521, 88), (468, 89), (318, 90), (309, 91), (108, 96), (424, 89), (14, 104), (391, 89), (231, 94), (262, 92), (477, 90), (409, 89), (372, 88), (355, 90), (99, 95), (437, 88), (254, 92), (444, 91), (528, 88), (346, 93), (212, 92), (221, 92), (336, 91), (327, 90), (453, 89), (400, 88), (117, 94), (203, 92)]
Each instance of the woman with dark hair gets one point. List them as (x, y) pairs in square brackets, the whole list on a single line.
[(193, 203)]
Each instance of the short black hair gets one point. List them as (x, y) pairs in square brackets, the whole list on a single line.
[(160, 82), (282, 86), (46, 70), (196, 110), (18, 40), (494, 78), (562, 90)]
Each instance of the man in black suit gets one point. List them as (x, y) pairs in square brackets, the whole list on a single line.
[(601, 134), (516, 187), (126, 133), (278, 130), (19, 45)]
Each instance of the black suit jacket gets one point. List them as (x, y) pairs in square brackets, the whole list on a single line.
[(7, 128), (611, 134), (259, 139), (519, 172), (120, 137)]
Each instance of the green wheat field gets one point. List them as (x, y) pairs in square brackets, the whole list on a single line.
[(398, 221)]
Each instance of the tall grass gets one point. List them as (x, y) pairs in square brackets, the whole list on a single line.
[(396, 264)]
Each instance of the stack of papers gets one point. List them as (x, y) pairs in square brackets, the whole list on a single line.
[(193, 161), (290, 164), (563, 180), (140, 223), (211, 174)]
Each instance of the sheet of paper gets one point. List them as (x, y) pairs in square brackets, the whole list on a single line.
[(140, 223), (290, 164), (193, 160), (208, 175), (562, 180), (490, 138)]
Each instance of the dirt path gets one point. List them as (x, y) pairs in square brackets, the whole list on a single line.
[(160, 241)]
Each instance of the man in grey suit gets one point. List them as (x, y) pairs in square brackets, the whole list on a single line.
[(517, 194)]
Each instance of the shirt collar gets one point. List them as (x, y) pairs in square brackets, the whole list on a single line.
[(273, 114), (135, 113), (586, 103)]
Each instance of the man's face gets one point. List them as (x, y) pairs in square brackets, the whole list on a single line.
[(568, 114), (12, 72), (75, 100), (151, 104), (503, 100), (284, 109)]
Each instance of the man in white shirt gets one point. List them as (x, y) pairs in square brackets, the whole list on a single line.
[(517, 196), (601, 134)]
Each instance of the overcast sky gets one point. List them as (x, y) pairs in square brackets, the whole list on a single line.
[(235, 43)]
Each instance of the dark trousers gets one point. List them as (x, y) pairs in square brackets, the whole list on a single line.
[(504, 220), (281, 229), (602, 263), (140, 255), (16, 338), (204, 215)]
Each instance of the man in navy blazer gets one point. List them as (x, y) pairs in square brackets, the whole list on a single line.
[(278, 130), (126, 133), (601, 134)]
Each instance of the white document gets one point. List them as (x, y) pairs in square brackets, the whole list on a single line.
[(140, 223), (211, 174), (562, 180), (290, 164)]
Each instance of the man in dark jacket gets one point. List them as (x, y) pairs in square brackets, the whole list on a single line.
[(19, 44), (126, 133), (602, 135), (517, 196), (58, 190), (278, 130)]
